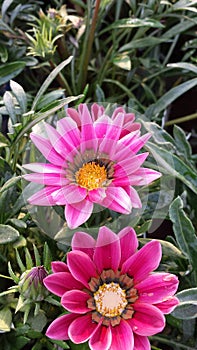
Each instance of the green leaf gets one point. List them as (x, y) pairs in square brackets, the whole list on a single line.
[(8, 234), (141, 43), (49, 80), (37, 255), (28, 259), (5, 320), (173, 165), (10, 71), (133, 23), (5, 5), (11, 273), (182, 144), (187, 309), (184, 232), (40, 116), (11, 182), (60, 343), (9, 104), (3, 54), (169, 97), (20, 95), (47, 257), (122, 61), (184, 65)]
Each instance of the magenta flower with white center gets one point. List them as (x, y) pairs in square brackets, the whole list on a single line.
[(114, 298), (92, 158)]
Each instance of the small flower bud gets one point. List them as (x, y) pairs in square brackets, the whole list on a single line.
[(31, 283)]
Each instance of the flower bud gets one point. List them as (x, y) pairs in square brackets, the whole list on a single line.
[(31, 283)]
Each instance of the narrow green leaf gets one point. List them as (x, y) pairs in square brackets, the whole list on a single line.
[(41, 116), (184, 232), (187, 309), (9, 104), (133, 23), (47, 257), (19, 262), (20, 95), (5, 320), (149, 41), (3, 54), (180, 28), (11, 182), (37, 256), (8, 234), (5, 5), (182, 144), (184, 65), (11, 273), (49, 80), (9, 71), (169, 97), (173, 165), (28, 259)]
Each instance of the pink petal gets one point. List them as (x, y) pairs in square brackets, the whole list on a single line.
[(122, 336), (58, 329), (43, 197), (101, 338), (142, 263), (78, 213), (112, 134), (47, 179), (138, 143), (117, 199), (76, 301), (60, 144), (59, 266), (157, 287), (70, 194), (168, 305), (101, 126), (97, 111), (44, 168), (128, 243), (107, 250), (81, 329), (135, 199), (73, 114), (141, 343), (129, 166), (147, 319), (88, 136), (68, 129), (46, 148), (60, 282), (97, 195), (144, 176), (81, 266), (83, 242)]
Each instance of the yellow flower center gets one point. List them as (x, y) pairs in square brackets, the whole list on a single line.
[(91, 175), (110, 300)]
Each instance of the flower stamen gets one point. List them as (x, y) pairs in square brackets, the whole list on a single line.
[(110, 300), (91, 175)]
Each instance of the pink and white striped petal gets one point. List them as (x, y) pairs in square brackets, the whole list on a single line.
[(77, 213), (101, 338), (61, 282), (168, 305), (141, 343)]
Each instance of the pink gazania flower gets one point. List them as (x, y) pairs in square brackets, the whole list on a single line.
[(92, 158), (114, 299)]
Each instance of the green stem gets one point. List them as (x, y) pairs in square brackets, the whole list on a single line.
[(171, 342), (181, 119), (88, 42)]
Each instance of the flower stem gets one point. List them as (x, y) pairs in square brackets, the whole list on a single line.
[(87, 48), (181, 119)]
